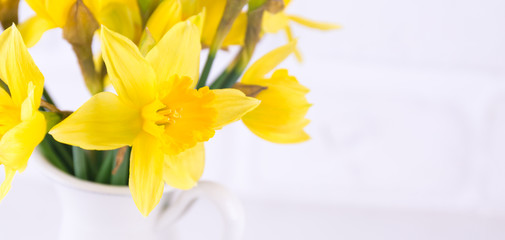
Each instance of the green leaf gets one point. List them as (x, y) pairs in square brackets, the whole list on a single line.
[(105, 171), (80, 168), (50, 154)]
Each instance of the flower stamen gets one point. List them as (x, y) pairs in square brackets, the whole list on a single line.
[(169, 116)]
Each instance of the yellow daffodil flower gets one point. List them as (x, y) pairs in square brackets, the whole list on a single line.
[(22, 126), (273, 23), (283, 98), (156, 111), (170, 12), (122, 16)]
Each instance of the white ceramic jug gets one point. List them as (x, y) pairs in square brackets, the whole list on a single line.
[(97, 211)]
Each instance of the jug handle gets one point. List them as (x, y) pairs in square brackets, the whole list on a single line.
[(227, 203)]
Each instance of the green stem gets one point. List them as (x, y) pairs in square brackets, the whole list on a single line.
[(80, 168), (49, 153), (220, 80), (87, 65), (104, 173), (206, 69)]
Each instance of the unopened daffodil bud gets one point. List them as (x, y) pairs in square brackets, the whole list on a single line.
[(8, 12), (80, 25)]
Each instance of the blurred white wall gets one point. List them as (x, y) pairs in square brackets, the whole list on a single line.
[(409, 108)]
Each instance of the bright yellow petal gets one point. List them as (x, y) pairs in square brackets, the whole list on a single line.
[(231, 105), (280, 117), (313, 24), (273, 23), (214, 12), (104, 122), (5, 98), (17, 67), (31, 104), (236, 35), (7, 183), (177, 53), (297, 52), (166, 15), (130, 74), (192, 7), (185, 169), (10, 115), (267, 63), (58, 10), (33, 29), (146, 173), (18, 143), (55, 11), (120, 18), (198, 20)]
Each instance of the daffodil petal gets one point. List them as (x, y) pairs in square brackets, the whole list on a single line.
[(297, 52), (177, 53), (5, 98), (58, 10), (198, 20), (120, 18), (267, 63), (214, 12), (276, 136), (184, 169), (166, 15), (273, 23), (30, 104), (130, 74), (104, 122), (285, 99), (236, 35), (231, 105), (191, 7), (33, 29), (7, 183), (146, 173), (18, 143), (313, 24), (17, 76)]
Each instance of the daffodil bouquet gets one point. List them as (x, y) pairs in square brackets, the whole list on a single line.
[(150, 130)]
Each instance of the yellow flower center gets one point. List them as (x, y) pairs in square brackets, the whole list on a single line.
[(9, 117), (181, 117), (170, 116)]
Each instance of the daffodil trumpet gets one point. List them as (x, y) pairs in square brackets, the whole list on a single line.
[(280, 94)]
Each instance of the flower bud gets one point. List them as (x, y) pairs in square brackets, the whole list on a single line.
[(80, 25), (8, 12)]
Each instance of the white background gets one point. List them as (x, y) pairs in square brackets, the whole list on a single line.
[(408, 130)]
